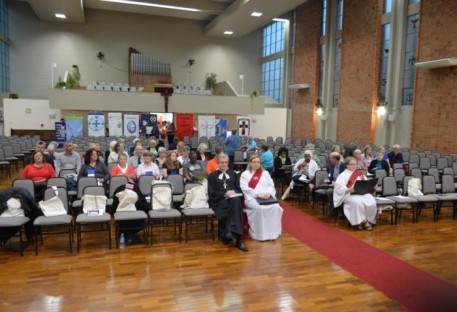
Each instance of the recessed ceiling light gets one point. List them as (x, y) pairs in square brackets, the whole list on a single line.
[(155, 5), (228, 32), (60, 15), (256, 14)]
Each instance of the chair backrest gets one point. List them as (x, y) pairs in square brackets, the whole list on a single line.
[(389, 186), (153, 199), (57, 181), (64, 172), (416, 172), (178, 183), (2, 155), (428, 184), (435, 173), (114, 183), (424, 163), (8, 151), (16, 148), (412, 166), (399, 174), (94, 190), (26, 184), (454, 166), (320, 176), (405, 185), (83, 182), (61, 192), (110, 166), (398, 166), (432, 158), (414, 158), (144, 183), (441, 163), (447, 183), (380, 174), (448, 170), (323, 160), (238, 156)]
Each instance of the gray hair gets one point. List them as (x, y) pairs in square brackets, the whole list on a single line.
[(202, 146), (162, 150), (309, 146), (186, 148), (222, 156)]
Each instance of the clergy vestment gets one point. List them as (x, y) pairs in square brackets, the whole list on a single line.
[(357, 208), (229, 211), (264, 220)]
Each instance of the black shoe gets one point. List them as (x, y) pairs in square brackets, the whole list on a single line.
[(241, 246), (226, 241)]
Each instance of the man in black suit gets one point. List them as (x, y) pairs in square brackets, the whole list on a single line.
[(223, 185)]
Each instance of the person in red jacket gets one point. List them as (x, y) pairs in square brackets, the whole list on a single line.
[(39, 171)]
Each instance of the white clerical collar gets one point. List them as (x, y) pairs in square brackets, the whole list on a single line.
[(221, 176)]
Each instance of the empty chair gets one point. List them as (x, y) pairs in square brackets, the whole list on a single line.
[(162, 209), (389, 188), (424, 164), (190, 213), (414, 158), (64, 220), (5, 164), (426, 201), (86, 218), (403, 202), (144, 183), (178, 187), (448, 195), (416, 172)]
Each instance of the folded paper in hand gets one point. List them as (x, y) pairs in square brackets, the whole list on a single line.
[(303, 178)]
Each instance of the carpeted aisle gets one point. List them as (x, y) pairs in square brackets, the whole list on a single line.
[(411, 287)]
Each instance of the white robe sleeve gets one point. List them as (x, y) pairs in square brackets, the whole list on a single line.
[(268, 184), (313, 167), (340, 190)]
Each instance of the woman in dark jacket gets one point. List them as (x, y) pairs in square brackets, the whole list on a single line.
[(378, 164), (281, 160)]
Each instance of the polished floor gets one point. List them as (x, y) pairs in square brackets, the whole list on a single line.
[(205, 275)]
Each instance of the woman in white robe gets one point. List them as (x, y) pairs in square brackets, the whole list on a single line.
[(264, 220), (359, 209)]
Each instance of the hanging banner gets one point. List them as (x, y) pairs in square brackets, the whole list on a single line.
[(74, 126), (131, 125), (61, 132), (115, 124), (244, 125), (96, 124), (221, 128), (148, 125), (206, 126), (184, 125)]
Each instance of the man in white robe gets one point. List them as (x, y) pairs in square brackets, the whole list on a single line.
[(359, 209), (264, 220)]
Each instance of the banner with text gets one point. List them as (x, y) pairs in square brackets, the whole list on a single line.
[(206, 126), (221, 128), (74, 126), (115, 124), (61, 132), (96, 124), (184, 125), (131, 125), (244, 125)]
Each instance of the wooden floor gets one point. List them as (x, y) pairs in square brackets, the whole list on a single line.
[(205, 275)]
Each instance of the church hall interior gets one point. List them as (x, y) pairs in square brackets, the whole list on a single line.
[(289, 73)]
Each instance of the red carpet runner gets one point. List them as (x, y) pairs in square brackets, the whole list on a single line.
[(411, 287)]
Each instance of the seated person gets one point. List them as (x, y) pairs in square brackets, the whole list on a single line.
[(39, 171), (93, 167), (360, 210), (161, 157), (40, 146), (201, 154), (250, 147), (174, 144), (336, 167), (304, 170), (152, 147), (68, 159), (137, 158), (222, 184), (213, 165), (172, 165), (281, 160), (266, 157), (123, 169), (184, 157), (136, 142), (264, 220), (148, 167), (193, 168), (310, 147), (379, 164), (395, 157), (117, 150), (358, 159)]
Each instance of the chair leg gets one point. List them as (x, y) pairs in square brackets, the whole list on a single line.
[(20, 241), (36, 241), (116, 233), (187, 224), (109, 233), (70, 237), (78, 236)]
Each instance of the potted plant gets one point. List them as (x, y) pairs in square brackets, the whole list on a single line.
[(76, 74), (60, 84), (210, 81), (254, 94)]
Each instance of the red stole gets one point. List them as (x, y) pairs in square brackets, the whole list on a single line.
[(353, 178), (255, 178)]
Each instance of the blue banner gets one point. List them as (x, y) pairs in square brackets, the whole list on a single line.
[(221, 128), (61, 133), (148, 125), (74, 126)]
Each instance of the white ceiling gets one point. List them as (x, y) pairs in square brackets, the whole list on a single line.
[(221, 15)]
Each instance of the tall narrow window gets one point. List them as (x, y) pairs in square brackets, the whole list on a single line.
[(410, 59), (336, 72), (339, 21), (321, 71), (324, 18), (4, 48), (387, 8), (273, 60), (384, 58)]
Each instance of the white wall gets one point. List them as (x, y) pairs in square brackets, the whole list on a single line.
[(35, 45), (28, 115), (272, 123)]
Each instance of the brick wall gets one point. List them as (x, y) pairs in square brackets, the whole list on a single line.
[(434, 125), (359, 71), (306, 61)]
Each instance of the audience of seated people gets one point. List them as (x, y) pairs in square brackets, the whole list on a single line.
[(152, 147), (310, 147), (40, 146)]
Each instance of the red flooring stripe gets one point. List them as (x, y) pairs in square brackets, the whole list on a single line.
[(411, 287)]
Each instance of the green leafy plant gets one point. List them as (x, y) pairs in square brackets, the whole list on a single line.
[(60, 84), (254, 94), (71, 81), (210, 81), (13, 96), (76, 74)]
